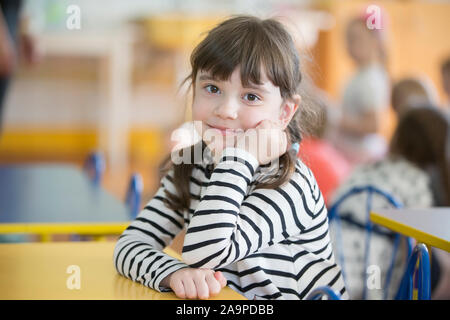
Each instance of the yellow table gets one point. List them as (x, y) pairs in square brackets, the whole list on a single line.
[(44, 271), (430, 226)]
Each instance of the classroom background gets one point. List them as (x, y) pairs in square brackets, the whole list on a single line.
[(66, 104)]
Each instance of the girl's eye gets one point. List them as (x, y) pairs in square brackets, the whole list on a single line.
[(251, 97), (212, 89)]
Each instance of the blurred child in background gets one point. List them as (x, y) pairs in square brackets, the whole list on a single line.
[(409, 93), (416, 173), (366, 96)]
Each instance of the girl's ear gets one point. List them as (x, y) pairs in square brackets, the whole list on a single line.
[(288, 109)]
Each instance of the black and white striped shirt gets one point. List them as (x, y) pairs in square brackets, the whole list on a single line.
[(269, 243)]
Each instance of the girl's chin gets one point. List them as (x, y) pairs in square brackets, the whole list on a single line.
[(226, 143)]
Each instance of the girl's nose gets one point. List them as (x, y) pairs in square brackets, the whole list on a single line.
[(226, 110)]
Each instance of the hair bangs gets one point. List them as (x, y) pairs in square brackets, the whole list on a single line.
[(254, 47)]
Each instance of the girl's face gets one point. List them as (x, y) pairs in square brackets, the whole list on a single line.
[(229, 105)]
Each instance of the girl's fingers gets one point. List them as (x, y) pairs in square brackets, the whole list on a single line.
[(178, 289), (189, 288), (213, 284), (263, 124), (197, 283), (221, 278), (267, 123), (201, 286)]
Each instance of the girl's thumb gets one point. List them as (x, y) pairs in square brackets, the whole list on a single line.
[(219, 277)]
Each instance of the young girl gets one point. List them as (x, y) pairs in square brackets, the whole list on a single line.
[(259, 228)]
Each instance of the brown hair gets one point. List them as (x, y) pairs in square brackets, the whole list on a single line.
[(408, 93), (423, 137), (445, 66), (251, 44)]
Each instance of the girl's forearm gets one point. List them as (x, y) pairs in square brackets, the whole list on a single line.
[(212, 239)]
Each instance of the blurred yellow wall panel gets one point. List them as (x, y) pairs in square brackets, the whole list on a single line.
[(143, 144), (38, 141), (175, 31)]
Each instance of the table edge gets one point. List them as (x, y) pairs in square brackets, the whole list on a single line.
[(51, 228), (409, 231)]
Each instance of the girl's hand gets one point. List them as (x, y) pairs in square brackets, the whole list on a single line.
[(195, 283), (266, 142)]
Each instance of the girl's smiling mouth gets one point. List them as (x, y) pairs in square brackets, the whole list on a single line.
[(223, 130)]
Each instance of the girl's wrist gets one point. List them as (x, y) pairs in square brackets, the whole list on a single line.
[(165, 283)]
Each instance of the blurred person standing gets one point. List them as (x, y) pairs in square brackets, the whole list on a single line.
[(366, 95), (12, 41)]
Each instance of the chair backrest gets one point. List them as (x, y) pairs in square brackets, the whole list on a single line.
[(333, 215), (418, 264), (319, 292), (134, 194), (94, 166)]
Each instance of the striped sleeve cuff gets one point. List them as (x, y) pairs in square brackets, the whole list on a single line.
[(174, 266), (241, 156)]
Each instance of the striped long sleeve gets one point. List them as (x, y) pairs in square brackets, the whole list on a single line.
[(229, 224), (138, 253)]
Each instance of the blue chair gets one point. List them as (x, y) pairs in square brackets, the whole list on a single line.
[(333, 215), (134, 194), (319, 292), (418, 269), (94, 166)]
